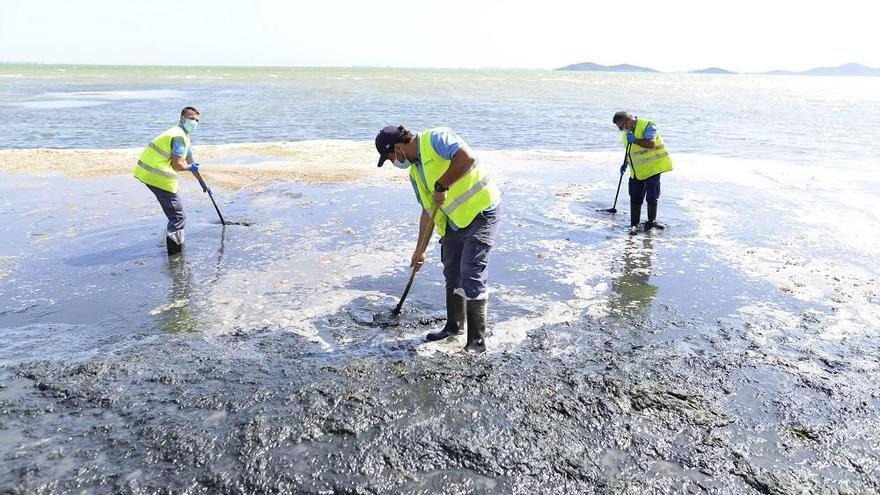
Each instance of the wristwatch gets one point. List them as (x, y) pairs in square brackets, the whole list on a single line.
[(439, 187)]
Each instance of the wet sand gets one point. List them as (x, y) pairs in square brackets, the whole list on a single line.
[(733, 352)]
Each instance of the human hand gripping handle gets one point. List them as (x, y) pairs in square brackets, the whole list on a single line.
[(418, 259), (623, 168), (194, 168), (630, 138)]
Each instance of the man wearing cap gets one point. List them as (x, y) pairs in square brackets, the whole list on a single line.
[(167, 154), (647, 158), (451, 184)]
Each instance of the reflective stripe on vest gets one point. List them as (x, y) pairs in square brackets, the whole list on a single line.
[(647, 162), (452, 206), (157, 171), (466, 198), (154, 166), (159, 150)]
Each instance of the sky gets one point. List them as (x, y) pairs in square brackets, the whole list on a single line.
[(671, 35)]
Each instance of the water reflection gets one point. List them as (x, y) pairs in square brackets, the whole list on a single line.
[(220, 252), (178, 315), (632, 294)]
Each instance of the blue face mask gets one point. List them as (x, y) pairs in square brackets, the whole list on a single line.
[(405, 164), (190, 126)]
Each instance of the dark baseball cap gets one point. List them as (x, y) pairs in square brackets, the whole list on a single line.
[(385, 141)]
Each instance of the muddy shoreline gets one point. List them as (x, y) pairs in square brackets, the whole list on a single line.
[(265, 412)]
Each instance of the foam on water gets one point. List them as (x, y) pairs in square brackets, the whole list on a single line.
[(291, 294), (797, 238), (7, 265), (118, 95), (82, 99), (59, 104)]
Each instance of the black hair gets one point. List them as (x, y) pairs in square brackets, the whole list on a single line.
[(621, 116), (191, 109), (404, 135)]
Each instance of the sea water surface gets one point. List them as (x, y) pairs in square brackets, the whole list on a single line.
[(734, 352), (804, 119)]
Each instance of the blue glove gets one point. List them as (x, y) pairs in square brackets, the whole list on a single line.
[(630, 138), (194, 167), (623, 168)]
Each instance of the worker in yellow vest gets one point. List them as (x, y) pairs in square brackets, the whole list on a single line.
[(647, 158), (450, 184), (167, 154)]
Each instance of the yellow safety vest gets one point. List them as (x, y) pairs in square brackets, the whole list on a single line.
[(647, 162), (466, 198), (154, 166)]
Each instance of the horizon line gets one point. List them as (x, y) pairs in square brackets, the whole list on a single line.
[(261, 66)]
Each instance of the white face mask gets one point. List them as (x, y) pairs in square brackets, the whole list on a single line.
[(405, 164), (190, 126)]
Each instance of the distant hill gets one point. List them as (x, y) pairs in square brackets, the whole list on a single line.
[(590, 66), (713, 70), (851, 69), (843, 70), (840, 70)]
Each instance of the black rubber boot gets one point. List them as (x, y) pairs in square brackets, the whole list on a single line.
[(455, 313), (476, 326), (652, 218), (635, 213), (172, 246)]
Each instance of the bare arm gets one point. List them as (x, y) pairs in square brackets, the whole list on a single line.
[(426, 228), (461, 163), (179, 163)]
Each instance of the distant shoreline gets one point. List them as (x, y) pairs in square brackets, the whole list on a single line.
[(850, 69)]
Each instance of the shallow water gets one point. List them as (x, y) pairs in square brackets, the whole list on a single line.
[(731, 353)]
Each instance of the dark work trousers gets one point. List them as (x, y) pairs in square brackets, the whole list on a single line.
[(639, 189), (465, 254), (172, 206)]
